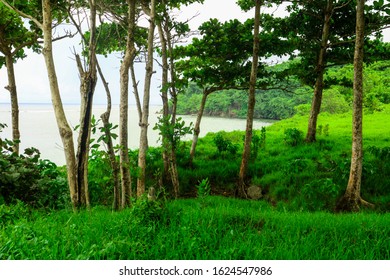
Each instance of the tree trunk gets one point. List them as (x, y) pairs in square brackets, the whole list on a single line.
[(63, 126), (173, 93), (352, 200), (197, 125), (164, 91), (11, 87), (241, 188), (143, 146), (110, 146), (124, 107), (87, 89), (320, 69)]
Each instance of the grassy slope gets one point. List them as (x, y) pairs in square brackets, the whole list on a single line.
[(213, 228), (308, 176), (223, 228)]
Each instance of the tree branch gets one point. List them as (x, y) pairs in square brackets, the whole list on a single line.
[(22, 14)]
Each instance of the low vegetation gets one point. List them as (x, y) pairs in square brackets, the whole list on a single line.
[(203, 228), (295, 218)]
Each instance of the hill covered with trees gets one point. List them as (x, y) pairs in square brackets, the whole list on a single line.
[(294, 98)]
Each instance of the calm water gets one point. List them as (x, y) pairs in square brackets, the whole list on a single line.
[(38, 127)]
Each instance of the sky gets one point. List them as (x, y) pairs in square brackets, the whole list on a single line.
[(31, 76)]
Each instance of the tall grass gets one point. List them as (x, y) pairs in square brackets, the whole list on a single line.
[(193, 229)]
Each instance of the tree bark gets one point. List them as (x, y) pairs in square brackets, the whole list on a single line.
[(164, 91), (241, 188), (320, 69), (197, 125), (63, 126), (110, 146), (124, 107), (87, 88), (11, 87), (351, 201), (143, 146)]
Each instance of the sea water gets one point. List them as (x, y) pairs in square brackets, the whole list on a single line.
[(38, 127)]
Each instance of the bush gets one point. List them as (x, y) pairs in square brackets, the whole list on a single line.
[(293, 136), (29, 179), (147, 212), (319, 195), (224, 145)]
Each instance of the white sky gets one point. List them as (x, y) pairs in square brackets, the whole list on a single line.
[(31, 75)]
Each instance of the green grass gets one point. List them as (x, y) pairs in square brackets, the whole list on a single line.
[(306, 176), (194, 229)]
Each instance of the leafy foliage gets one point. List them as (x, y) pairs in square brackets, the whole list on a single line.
[(30, 179), (293, 136), (224, 145), (170, 132), (203, 188)]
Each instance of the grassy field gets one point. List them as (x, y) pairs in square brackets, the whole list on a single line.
[(195, 229)]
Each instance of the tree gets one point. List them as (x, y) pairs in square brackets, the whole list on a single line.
[(218, 60), (143, 145), (51, 13), (171, 32), (128, 59), (323, 35), (14, 38), (251, 104), (352, 200), (121, 34), (88, 79)]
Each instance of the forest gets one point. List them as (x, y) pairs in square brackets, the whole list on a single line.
[(313, 185)]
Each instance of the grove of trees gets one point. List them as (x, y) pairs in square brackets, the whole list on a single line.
[(223, 60)]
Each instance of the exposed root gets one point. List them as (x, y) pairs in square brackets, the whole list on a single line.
[(352, 204), (366, 204)]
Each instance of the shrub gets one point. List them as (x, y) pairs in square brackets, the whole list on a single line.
[(319, 195), (293, 137), (28, 178), (147, 212), (224, 145)]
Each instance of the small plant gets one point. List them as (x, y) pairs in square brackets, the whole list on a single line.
[(258, 142), (326, 130), (293, 136), (263, 134), (204, 188), (147, 212), (319, 195), (171, 132), (224, 145), (319, 129)]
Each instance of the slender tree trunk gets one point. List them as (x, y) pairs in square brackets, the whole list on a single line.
[(135, 91), (143, 146), (164, 91), (241, 188), (173, 93), (87, 89), (110, 146), (124, 107), (352, 200), (197, 125), (63, 126), (320, 69), (11, 87)]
